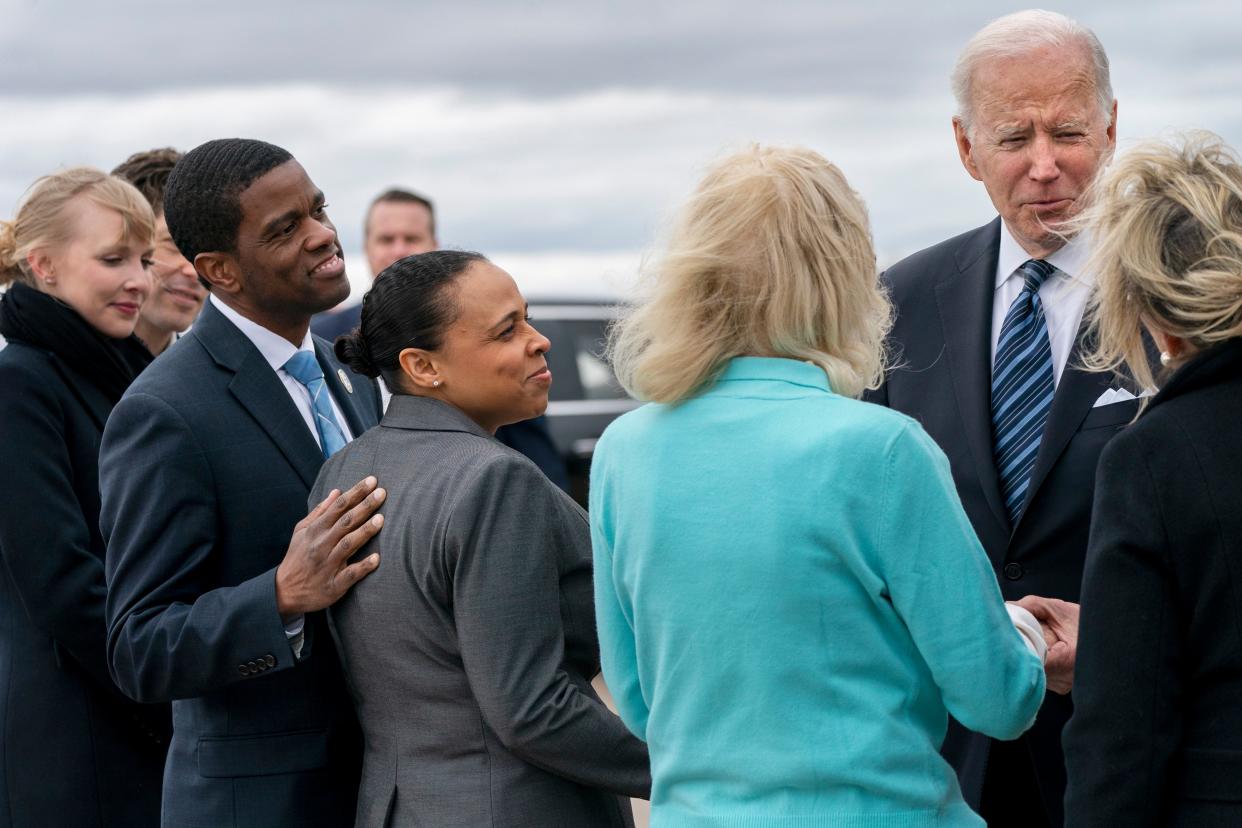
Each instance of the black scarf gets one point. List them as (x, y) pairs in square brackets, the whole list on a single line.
[(41, 321)]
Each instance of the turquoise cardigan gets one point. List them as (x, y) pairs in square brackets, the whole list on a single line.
[(790, 601)]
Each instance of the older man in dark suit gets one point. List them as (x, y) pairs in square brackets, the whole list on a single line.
[(988, 328), (216, 574)]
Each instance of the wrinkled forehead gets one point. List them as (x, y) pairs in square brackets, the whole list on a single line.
[(1057, 83)]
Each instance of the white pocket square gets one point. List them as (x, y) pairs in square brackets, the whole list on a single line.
[(1117, 395)]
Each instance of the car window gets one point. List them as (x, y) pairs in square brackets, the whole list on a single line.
[(587, 337)]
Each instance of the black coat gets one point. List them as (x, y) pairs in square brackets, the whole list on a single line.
[(942, 343), (1156, 737), (75, 751), (204, 468)]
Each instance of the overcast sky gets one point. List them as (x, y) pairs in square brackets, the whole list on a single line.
[(558, 136)]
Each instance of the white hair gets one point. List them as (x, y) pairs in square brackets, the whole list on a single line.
[(1018, 34)]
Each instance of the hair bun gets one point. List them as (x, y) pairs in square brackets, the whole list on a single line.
[(352, 349), (10, 270)]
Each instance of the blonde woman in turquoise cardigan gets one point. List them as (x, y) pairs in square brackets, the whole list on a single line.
[(790, 599)]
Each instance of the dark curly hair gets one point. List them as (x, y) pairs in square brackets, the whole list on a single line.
[(409, 306), (201, 202), (149, 171)]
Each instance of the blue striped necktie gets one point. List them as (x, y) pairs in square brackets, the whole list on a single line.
[(304, 368), (1022, 387)]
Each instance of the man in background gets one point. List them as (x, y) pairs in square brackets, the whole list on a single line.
[(177, 296), (401, 223), (398, 223), (989, 325)]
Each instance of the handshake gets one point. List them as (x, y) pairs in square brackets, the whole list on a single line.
[(1058, 620)]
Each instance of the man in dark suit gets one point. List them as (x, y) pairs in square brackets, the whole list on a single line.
[(402, 223), (217, 577), (985, 343)]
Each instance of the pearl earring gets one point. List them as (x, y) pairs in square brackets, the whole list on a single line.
[(1165, 358)]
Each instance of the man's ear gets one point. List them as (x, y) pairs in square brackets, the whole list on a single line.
[(220, 270), (1112, 127), (965, 149)]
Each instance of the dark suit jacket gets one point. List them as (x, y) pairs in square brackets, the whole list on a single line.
[(470, 651), (1156, 737), (334, 323), (75, 751), (941, 343), (205, 467)]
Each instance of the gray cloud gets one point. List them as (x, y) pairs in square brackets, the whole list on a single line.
[(568, 130), (534, 48)]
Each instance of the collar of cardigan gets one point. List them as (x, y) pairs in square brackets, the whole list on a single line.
[(781, 369)]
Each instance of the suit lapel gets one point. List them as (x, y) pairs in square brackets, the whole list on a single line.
[(350, 398), (964, 300), (1076, 393), (259, 390)]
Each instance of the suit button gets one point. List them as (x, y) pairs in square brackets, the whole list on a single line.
[(243, 669), (269, 660), (1013, 571)]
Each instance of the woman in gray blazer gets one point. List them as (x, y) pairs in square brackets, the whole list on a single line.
[(470, 650)]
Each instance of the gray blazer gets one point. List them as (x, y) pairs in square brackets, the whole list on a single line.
[(470, 650)]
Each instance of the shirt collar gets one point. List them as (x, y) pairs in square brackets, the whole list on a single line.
[(775, 368), (276, 350), (1070, 260)]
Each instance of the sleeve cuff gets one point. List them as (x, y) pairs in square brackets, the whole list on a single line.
[(1029, 629), (295, 631)]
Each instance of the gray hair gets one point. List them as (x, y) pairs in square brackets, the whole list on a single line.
[(1018, 34)]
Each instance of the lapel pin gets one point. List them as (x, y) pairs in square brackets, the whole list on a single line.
[(340, 373)]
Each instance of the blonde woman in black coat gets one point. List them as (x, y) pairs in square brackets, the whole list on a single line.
[(75, 752), (1156, 736)]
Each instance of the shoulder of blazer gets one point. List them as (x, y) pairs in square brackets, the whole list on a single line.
[(25, 367), (920, 270), (352, 380)]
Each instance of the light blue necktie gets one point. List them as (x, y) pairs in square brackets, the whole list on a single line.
[(1022, 387), (304, 368)]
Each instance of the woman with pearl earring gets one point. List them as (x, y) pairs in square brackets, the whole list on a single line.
[(76, 259)]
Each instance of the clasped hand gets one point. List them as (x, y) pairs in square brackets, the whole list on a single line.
[(1059, 622)]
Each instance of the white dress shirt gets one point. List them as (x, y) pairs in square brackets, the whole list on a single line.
[(1064, 295), (277, 350)]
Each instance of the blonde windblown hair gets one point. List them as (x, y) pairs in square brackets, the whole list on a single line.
[(1167, 224), (772, 256), (42, 222)]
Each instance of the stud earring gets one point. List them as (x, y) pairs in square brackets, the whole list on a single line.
[(1165, 358), (435, 384)]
